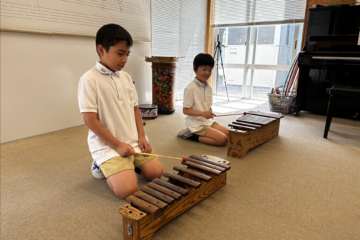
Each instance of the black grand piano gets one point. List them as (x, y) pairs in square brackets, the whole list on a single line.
[(331, 56)]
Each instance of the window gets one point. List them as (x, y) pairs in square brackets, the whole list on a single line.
[(266, 35), (237, 36), (257, 12), (263, 63), (261, 39)]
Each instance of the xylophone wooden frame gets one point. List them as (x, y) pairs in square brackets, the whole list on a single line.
[(242, 139), (140, 225)]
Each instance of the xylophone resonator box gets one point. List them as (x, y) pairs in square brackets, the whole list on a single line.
[(251, 130), (160, 201)]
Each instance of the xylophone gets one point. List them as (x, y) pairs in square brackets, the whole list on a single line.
[(160, 201), (251, 130)]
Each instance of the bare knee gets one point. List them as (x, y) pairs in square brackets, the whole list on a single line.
[(159, 172), (223, 140), (125, 191), (155, 173)]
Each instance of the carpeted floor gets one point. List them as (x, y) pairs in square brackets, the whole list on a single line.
[(296, 186)]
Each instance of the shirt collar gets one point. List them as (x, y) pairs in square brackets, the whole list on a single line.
[(203, 85), (104, 70)]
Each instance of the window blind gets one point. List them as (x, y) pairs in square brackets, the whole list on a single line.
[(233, 13), (178, 30)]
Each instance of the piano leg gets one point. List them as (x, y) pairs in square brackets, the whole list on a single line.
[(330, 111), (296, 111)]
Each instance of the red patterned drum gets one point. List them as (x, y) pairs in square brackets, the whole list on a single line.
[(163, 78)]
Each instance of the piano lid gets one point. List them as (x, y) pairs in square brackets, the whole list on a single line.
[(344, 37), (332, 46), (339, 50)]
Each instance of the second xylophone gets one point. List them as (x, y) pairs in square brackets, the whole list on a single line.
[(251, 130)]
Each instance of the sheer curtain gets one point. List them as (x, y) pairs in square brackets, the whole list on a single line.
[(178, 30)]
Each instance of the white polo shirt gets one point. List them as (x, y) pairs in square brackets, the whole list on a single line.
[(112, 96), (197, 96)]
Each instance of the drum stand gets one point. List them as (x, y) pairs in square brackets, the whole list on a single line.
[(217, 49)]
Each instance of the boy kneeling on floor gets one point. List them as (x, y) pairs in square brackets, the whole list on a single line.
[(109, 104), (198, 98)]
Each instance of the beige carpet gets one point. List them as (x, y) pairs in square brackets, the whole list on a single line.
[(296, 186)]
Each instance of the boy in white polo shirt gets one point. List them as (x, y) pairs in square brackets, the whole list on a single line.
[(108, 102), (199, 121)]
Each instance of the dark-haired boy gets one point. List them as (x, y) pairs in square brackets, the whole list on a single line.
[(108, 103), (199, 121)]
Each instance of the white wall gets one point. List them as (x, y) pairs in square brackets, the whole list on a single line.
[(39, 79)]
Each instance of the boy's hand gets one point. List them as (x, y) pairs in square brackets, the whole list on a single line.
[(144, 145), (208, 114), (125, 150)]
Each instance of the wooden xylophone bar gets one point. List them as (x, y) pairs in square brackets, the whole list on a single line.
[(160, 201), (251, 130)]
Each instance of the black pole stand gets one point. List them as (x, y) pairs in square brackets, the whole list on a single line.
[(217, 49)]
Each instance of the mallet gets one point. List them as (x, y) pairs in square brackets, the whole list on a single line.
[(244, 113), (156, 155)]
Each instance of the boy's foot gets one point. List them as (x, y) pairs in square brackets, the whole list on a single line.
[(185, 133), (96, 171)]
